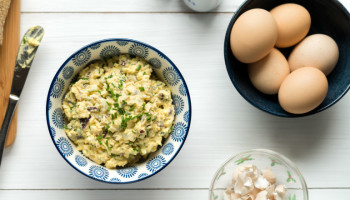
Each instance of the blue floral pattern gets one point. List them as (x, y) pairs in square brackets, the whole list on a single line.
[(80, 160), (98, 172), (50, 104), (168, 149), (95, 46), (65, 147), (155, 163), (115, 180), (179, 132), (122, 43), (109, 51), (143, 175), (67, 72), (57, 88), (53, 131), (127, 172), (171, 76), (138, 50), (82, 57), (178, 103), (187, 116), (155, 62), (182, 90), (57, 118)]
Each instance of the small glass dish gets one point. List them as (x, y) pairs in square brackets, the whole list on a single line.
[(285, 170)]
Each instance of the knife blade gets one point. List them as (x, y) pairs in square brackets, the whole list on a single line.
[(26, 53)]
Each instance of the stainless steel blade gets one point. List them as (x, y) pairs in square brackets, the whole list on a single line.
[(26, 52), (25, 56)]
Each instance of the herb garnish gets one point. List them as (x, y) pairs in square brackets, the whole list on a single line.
[(138, 68), (132, 107), (108, 147), (120, 86), (99, 138), (142, 89)]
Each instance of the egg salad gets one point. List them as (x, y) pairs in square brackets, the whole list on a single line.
[(117, 111)]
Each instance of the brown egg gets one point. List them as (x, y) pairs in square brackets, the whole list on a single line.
[(268, 73), (293, 24), (317, 50), (253, 35), (303, 90)]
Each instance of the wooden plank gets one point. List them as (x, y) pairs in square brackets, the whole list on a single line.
[(119, 6), (223, 123), (8, 54), (318, 194), (125, 6)]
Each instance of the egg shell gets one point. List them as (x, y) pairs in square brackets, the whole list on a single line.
[(268, 73), (293, 24), (270, 176), (317, 50), (253, 35), (303, 90)]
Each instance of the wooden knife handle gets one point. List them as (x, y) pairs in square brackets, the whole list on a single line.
[(8, 54)]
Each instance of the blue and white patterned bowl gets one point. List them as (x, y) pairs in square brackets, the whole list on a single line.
[(164, 68)]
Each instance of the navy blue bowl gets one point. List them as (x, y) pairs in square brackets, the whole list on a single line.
[(327, 17)]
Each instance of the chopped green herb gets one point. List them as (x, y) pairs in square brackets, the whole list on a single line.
[(113, 155), (139, 116), (110, 76), (114, 85), (124, 122), (108, 147), (154, 119), (134, 131), (65, 127), (124, 103), (136, 149), (143, 106), (142, 89), (25, 39), (99, 70), (84, 78), (120, 86), (132, 107), (109, 106), (99, 138), (138, 68), (115, 116), (117, 97)]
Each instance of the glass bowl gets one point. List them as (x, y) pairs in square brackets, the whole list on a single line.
[(285, 170)]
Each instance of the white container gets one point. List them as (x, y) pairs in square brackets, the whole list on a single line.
[(202, 5)]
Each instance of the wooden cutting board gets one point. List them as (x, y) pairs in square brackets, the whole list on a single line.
[(8, 54)]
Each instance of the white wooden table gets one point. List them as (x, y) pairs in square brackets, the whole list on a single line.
[(223, 123)]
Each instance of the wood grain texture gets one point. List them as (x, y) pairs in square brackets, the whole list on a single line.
[(8, 54), (223, 123), (119, 6), (315, 194), (125, 6)]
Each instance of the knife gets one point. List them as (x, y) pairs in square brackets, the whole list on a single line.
[(26, 53)]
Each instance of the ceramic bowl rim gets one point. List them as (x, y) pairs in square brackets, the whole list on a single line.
[(267, 152), (135, 42), (252, 102)]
